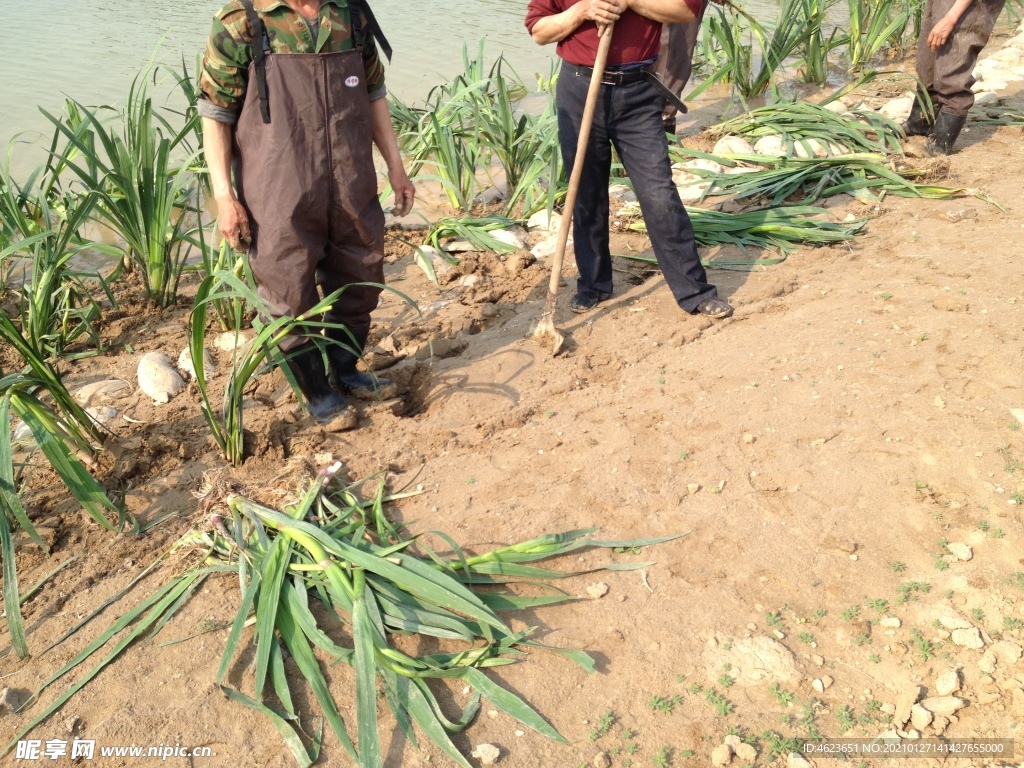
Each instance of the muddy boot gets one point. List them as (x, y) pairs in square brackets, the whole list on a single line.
[(324, 404), (943, 136), (920, 122), (345, 377)]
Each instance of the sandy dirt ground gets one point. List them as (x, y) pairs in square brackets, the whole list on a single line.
[(825, 450)]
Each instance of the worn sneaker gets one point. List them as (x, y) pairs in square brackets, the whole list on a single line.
[(717, 309), (584, 301)]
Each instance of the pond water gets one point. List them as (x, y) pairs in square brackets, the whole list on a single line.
[(90, 50)]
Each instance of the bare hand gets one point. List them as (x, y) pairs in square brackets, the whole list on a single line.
[(603, 11), (405, 192), (940, 33), (233, 223)]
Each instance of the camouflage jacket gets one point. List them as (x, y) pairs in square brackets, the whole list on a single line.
[(225, 70)]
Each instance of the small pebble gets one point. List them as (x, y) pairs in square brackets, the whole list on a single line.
[(598, 590)]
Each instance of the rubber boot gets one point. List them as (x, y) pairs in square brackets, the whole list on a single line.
[(944, 134), (919, 123), (344, 375), (323, 402)]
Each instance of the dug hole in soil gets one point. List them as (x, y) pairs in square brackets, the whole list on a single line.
[(827, 450)]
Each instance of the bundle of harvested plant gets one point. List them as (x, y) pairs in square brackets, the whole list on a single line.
[(801, 121), (784, 229), (330, 548), (866, 176)]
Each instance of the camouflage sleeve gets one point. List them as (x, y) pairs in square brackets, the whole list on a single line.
[(373, 66), (225, 70)]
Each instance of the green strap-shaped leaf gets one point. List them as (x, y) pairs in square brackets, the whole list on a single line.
[(511, 704), (363, 633)]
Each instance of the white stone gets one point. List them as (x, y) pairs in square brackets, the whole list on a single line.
[(890, 622), (989, 84), (985, 98), (487, 754), (733, 145), (818, 686), (101, 390), (22, 432), (807, 148), (1012, 56), (968, 638), (546, 248), (692, 192), (920, 717), (508, 237), (540, 220), (721, 755), (157, 377), (230, 341), (961, 550), (710, 166), (796, 760), (772, 145), (682, 178), (458, 245), (897, 109), (947, 683), (101, 414), (737, 169), (943, 705), (837, 106), (1017, 41), (621, 194), (186, 367)]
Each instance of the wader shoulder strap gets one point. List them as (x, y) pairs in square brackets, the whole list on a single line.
[(375, 32), (260, 48)]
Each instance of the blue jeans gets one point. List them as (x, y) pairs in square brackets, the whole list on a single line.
[(628, 117)]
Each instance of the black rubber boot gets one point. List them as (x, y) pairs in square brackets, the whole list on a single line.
[(919, 123), (344, 375), (944, 134), (323, 402)]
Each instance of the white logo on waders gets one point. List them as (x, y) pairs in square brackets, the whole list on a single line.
[(352, 82)]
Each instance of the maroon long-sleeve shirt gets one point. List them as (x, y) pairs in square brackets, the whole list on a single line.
[(636, 38)]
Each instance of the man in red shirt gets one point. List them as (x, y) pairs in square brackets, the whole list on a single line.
[(628, 116)]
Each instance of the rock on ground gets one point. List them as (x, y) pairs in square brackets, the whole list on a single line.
[(186, 366), (101, 390), (487, 754), (158, 378)]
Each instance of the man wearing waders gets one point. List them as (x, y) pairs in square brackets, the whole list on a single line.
[(293, 101), (953, 32)]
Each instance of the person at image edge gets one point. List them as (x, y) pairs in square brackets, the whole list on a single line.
[(628, 116)]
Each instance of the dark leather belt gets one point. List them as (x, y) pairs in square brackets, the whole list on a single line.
[(633, 76)]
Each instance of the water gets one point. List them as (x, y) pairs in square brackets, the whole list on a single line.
[(91, 49)]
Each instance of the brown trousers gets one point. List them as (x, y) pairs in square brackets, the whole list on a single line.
[(675, 63), (947, 74), (308, 181)]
